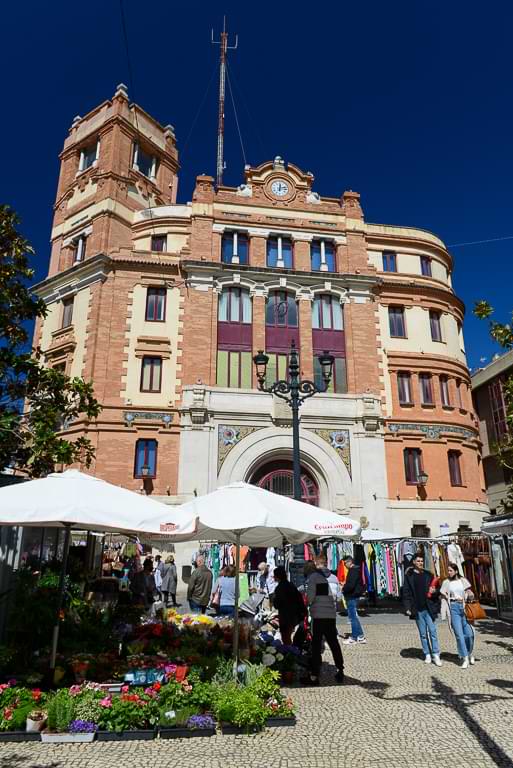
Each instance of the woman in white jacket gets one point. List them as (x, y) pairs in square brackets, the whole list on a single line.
[(456, 591)]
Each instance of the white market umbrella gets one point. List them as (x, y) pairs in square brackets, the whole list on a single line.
[(73, 499), (247, 514), (258, 518), (374, 534)]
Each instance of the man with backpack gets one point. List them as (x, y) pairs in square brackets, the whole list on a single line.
[(322, 603), (353, 589)]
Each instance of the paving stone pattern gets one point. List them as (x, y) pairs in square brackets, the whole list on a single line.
[(394, 711)]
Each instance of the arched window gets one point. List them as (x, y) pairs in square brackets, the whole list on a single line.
[(234, 338), (328, 334), (281, 310)]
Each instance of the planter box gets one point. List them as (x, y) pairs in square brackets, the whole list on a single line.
[(67, 738), (278, 722), (185, 733), (230, 730), (19, 736), (125, 735)]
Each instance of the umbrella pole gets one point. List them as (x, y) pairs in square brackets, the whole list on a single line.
[(62, 581), (236, 612)]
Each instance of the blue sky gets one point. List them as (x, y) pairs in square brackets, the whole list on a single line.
[(408, 103)]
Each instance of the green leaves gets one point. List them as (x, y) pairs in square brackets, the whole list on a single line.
[(36, 402)]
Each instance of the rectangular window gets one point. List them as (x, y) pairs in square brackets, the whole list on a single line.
[(498, 408), (444, 391), (145, 458), (458, 394), (151, 373), (425, 266), (79, 249), (323, 256), (426, 389), (279, 252), (404, 388), (396, 322), (338, 381), (389, 261), (67, 312), (420, 531), (156, 304), (234, 369), (144, 162), (454, 467), (435, 324), (159, 243), (276, 368), (412, 465), (88, 156), (234, 248)]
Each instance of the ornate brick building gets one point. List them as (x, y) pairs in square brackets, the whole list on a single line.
[(163, 305)]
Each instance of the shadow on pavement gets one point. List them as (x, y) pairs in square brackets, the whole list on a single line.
[(14, 760), (445, 696)]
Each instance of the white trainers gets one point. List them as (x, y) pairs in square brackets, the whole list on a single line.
[(349, 641), (464, 664), (436, 660), (362, 639), (472, 660), (427, 659)]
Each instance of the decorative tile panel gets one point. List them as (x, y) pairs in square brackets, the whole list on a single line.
[(339, 440), (227, 437), (432, 431)]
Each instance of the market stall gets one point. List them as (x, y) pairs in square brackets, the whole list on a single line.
[(498, 530)]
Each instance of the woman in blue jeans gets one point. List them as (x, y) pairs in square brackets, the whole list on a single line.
[(226, 586), (455, 592)]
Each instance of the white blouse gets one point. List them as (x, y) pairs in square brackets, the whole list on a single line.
[(456, 590)]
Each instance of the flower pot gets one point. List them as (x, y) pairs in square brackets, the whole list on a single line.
[(278, 722), (126, 735), (181, 673), (80, 669), (19, 736), (287, 677), (229, 729), (34, 726), (185, 733), (67, 738)]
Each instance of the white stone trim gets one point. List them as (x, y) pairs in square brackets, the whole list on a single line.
[(84, 232)]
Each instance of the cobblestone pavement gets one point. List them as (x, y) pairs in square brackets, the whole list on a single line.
[(394, 711)]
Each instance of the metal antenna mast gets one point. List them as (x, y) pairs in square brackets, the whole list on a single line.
[(224, 47)]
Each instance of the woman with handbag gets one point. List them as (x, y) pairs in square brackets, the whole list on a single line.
[(456, 592), (223, 592)]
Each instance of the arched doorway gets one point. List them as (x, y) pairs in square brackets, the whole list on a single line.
[(278, 477)]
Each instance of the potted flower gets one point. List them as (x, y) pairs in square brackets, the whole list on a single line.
[(132, 715), (280, 711), (36, 721), (16, 704)]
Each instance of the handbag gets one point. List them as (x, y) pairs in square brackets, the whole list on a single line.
[(216, 599), (474, 611)]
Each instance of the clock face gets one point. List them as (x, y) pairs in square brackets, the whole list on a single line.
[(279, 188)]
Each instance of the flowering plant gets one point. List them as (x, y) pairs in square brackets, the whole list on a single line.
[(129, 711), (200, 722), (82, 726), (16, 703), (278, 706)]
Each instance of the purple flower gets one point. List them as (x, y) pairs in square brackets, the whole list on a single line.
[(82, 726), (200, 721)]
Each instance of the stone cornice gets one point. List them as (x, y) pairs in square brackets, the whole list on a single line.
[(74, 279)]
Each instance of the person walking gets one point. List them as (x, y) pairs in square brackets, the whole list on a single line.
[(225, 584), (455, 592), (143, 586), (157, 574), (289, 604), (169, 580), (352, 590), (422, 603), (323, 610), (199, 587)]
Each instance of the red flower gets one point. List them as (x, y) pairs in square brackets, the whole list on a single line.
[(8, 713), (36, 694), (157, 686)]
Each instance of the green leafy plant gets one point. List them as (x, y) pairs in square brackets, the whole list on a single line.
[(250, 710), (16, 703), (130, 711), (224, 671), (201, 696), (61, 710), (266, 684)]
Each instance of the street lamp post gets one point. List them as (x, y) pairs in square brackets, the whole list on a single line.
[(294, 391)]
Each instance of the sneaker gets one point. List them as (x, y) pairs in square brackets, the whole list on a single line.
[(436, 660), (349, 641), (309, 680), (427, 659), (362, 639), (472, 660), (339, 676), (464, 664)]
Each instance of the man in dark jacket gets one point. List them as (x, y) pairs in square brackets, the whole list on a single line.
[(353, 589), (289, 603), (200, 586), (422, 603)]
